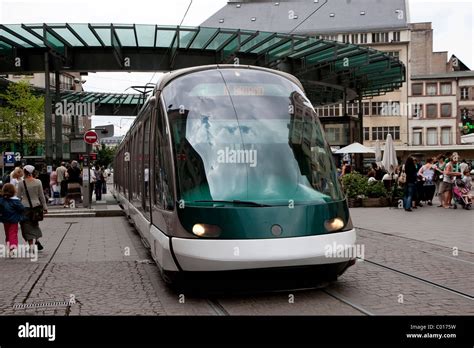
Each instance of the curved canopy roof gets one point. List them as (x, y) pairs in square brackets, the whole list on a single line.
[(326, 68)]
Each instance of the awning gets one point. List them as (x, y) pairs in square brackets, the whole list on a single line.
[(328, 69)]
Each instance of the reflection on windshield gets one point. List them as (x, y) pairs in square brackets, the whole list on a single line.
[(248, 135)]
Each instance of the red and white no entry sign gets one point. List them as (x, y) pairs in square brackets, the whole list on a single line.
[(90, 137)]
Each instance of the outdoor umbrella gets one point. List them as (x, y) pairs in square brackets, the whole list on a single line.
[(389, 161), (378, 153), (355, 148)]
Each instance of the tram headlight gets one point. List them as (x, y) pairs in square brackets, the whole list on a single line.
[(334, 225), (206, 231)]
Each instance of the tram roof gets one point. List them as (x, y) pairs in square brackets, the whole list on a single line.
[(326, 68)]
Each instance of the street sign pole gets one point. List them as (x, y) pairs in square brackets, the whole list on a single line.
[(90, 137)]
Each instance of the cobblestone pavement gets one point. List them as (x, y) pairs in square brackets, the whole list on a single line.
[(451, 228), (102, 264)]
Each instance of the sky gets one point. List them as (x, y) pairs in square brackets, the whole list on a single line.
[(453, 23)]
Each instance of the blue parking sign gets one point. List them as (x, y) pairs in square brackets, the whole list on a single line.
[(9, 159)]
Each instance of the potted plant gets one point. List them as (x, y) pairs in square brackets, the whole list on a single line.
[(376, 195), (355, 187)]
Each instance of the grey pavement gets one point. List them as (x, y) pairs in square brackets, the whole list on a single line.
[(451, 228), (102, 262)]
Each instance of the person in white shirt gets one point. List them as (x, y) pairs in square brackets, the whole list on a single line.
[(16, 176)]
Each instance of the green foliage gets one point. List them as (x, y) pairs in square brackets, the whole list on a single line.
[(354, 185), (106, 155), (376, 190), (22, 119)]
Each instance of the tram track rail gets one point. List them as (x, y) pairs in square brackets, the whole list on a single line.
[(347, 302), (419, 279)]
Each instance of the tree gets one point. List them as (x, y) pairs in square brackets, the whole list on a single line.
[(105, 156), (22, 118)]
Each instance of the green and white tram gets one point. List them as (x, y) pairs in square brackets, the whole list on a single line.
[(226, 168)]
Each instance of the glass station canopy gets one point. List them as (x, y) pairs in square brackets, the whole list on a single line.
[(327, 69)]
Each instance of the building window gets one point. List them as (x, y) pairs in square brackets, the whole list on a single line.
[(418, 110), (355, 38), (394, 54), (377, 108), (381, 133), (446, 89), (446, 110), (446, 136), (396, 36), (333, 134), (386, 108), (417, 136), (363, 38), (432, 136), (465, 93), (432, 110), (431, 89), (417, 89), (379, 37), (345, 38), (366, 133)]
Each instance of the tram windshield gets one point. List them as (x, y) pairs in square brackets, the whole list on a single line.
[(252, 136)]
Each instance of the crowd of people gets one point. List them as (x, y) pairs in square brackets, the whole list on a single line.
[(27, 192), (443, 176)]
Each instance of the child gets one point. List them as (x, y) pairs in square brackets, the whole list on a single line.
[(466, 191), (11, 214)]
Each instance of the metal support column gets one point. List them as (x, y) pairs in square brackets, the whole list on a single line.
[(58, 125), (360, 135), (48, 129)]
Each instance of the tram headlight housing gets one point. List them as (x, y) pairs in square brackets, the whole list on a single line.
[(206, 230), (334, 225)]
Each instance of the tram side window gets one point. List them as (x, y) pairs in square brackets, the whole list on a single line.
[(163, 197), (139, 164), (146, 157), (134, 167)]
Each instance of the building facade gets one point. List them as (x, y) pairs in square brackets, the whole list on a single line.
[(383, 25), (413, 120)]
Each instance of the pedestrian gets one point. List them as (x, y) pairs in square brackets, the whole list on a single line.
[(19, 165), (419, 192), (30, 191), (99, 177), (346, 168), (451, 172), (439, 166), (11, 213), (62, 181), (427, 173), (92, 182), (44, 178), (467, 180), (16, 177), (410, 184), (54, 187), (103, 178), (74, 182)]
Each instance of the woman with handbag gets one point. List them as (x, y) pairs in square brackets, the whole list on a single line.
[(30, 191)]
